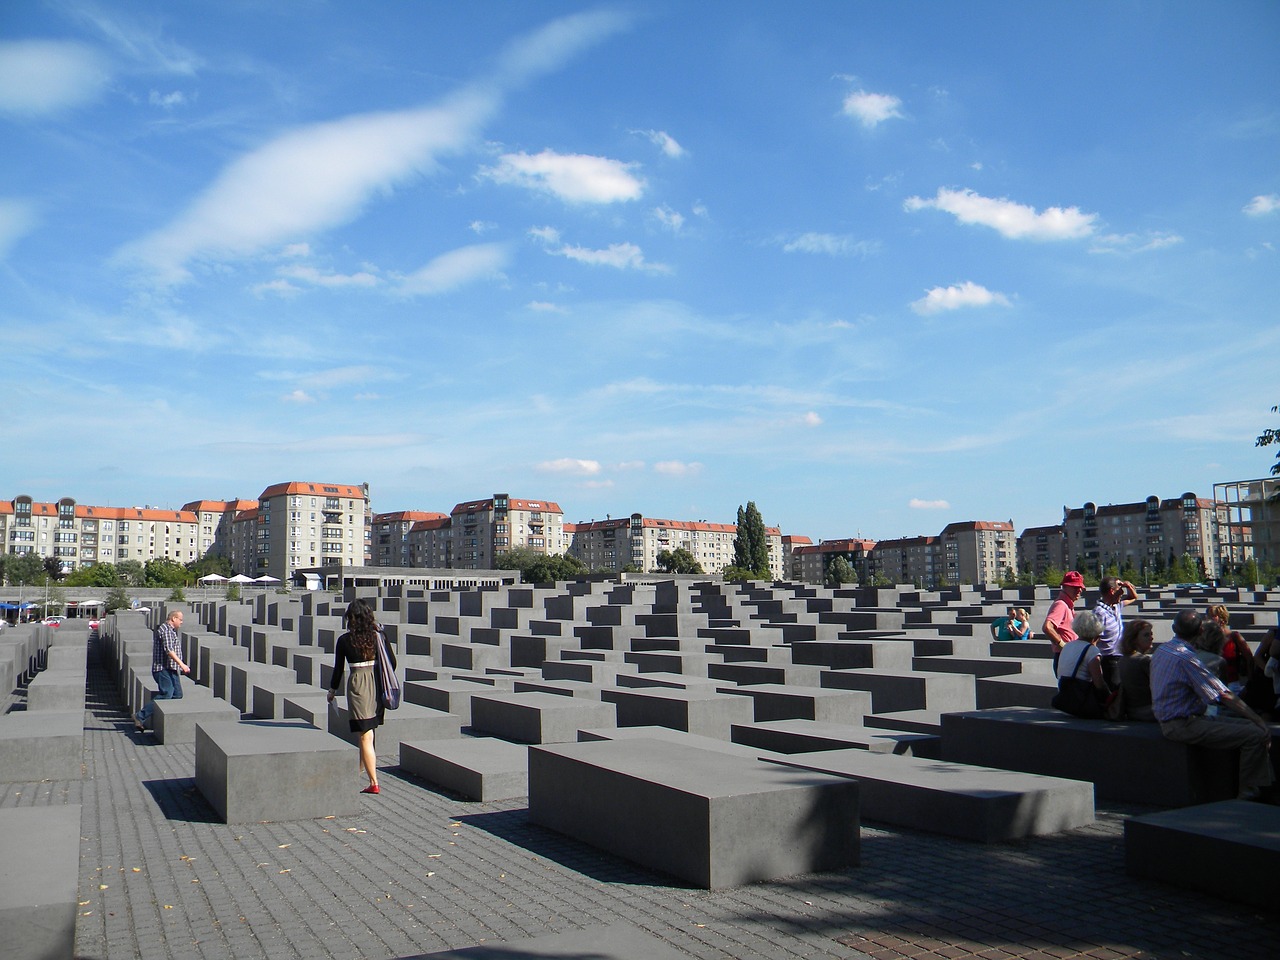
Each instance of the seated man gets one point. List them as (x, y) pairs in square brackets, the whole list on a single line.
[(1186, 696)]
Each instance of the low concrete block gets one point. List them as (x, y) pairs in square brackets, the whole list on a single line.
[(537, 717), (808, 736), (711, 819), (268, 695), (175, 720), (274, 770), (57, 690), (39, 870), (975, 803), (1125, 761), (1229, 849), (47, 745), (408, 722), (784, 702), (698, 710), (479, 768)]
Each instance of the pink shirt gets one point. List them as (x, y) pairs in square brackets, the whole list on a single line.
[(1060, 615)]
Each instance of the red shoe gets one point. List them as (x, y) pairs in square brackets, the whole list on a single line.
[(371, 788)]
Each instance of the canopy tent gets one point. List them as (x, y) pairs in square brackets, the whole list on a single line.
[(15, 606), (211, 578), (266, 579), (240, 578)]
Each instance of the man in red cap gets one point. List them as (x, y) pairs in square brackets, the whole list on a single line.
[(1057, 625)]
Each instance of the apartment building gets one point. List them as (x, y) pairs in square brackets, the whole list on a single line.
[(391, 545), (636, 541), (482, 529), (431, 543), (78, 535), (300, 525), (1041, 548), (908, 560), (811, 562), (1147, 534), (216, 519), (978, 551)]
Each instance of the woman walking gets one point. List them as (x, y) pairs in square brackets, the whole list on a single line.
[(358, 649)]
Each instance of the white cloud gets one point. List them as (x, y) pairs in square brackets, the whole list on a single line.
[(1262, 205), (296, 250), (1134, 243), (316, 278), (831, 244), (811, 419), (17, 218), (167, 100), (1013, 220), (542, 306), (481, 226), (669, 218), (574, 178), (871, 109), (916, 504), (570, 467), (545, 234), (281, 288), (665, 142), (967, 294), (456, 268), (621, 256), (677, 468), (45, 76), (298, 396)]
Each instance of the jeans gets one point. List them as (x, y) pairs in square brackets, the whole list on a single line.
[(170, 684)]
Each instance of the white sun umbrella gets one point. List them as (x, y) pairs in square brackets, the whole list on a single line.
[(265, 579), (240, 578), (212, 578)]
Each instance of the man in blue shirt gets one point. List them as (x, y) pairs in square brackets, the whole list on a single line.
[(1114, 596), (1186, 696)]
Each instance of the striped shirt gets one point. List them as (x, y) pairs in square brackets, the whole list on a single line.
[(1112, 626), (1181, 685)]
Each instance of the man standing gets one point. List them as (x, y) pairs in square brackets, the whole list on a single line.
[(1057, 625), (1116, 595), (166, 667), (1182, 690)]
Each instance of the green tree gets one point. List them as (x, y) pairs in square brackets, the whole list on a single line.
[(233, 591), (840, 571), (736, 574), (25, 568), (1269, 437), (163, 572), (52, 568), (116, 599), (751, 543), (679, 560), (210, 564), (131, 573), (95, 575), (538, 567), (1052, 576)]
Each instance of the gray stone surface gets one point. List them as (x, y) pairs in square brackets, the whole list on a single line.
[(709, 818), (41, 746), (39, 870), (59, 690), (174, 721), (699, 710), (976, 803), (537, 717), (274, 770), (479, 768), (408, 722)]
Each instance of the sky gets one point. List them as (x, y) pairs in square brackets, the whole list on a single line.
[(877, 267)]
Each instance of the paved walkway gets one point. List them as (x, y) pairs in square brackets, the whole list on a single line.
[(419, 871)]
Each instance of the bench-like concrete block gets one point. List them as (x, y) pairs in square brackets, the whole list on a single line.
[(267, 696), (479, 768), (58, 690), (809, 736), (313, 707), (243, 677), (537, 717), (1229, 849), (68, 656), (696, 710), (975, 803), (617, 941), (274, 770), (1131, 762), (709, 818), (785, 702), (48, 745), (39, 871), (175, 720)]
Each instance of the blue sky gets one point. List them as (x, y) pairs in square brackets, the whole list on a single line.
[(876, 266)]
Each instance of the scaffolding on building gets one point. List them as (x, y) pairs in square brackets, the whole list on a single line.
[(1250, 529)]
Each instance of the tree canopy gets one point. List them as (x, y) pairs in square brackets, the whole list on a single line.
[(751, 544), (678, 560), (538, 567)]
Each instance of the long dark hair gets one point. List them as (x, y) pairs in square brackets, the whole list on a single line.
[(363, 628)]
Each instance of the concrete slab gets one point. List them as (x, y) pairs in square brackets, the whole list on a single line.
[(41, 746), (39, 871), (479, 768)]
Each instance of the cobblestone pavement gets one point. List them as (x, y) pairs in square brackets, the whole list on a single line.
[(419, 871)]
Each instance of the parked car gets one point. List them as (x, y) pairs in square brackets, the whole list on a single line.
[(53, 621)]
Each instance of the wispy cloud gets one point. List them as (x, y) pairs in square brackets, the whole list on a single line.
[(318, 279), (46, 76), (665, 142), (574, 178), (1134, 242), (17, 218), (1014, 220), (917, 504), (669, 218), (871, 109), (456, 268), (621, 256), (323, 175), (569, 467), (167, 101), (967, 294), (830, 244), (1262, 205), (677, 468)]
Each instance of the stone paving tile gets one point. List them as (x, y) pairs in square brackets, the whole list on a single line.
[(420, 870)]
